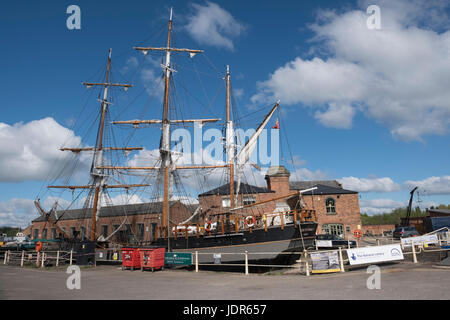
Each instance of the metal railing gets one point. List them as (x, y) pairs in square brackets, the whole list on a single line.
[(303, 264), (39, 259)]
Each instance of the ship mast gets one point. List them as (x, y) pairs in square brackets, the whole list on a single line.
[(97, 172), (165, 150), (230, 141)]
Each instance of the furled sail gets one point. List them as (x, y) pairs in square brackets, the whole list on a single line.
[(245, 153)]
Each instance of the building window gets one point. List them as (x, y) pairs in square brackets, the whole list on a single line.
[(36, 234), (153, 231), (334, 229), (105, 231), (248, 200), (140, 230), (330, 204), (83, 232), (44, 234), (226, 202), (53, 233), (73, 232)]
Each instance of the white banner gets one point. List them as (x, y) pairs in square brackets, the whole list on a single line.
[(375, 254), (432, 238)]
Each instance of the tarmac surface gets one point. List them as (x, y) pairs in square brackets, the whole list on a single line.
[(398, 281)]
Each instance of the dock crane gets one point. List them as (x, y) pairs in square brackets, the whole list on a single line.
[(408, 210)]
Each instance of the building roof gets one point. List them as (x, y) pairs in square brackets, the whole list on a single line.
[(302, 185), (323, 189), (112, 211), (440, 212), (244, 189)]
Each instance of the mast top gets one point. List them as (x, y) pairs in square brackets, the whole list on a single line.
[(110, 50), (171, 13)]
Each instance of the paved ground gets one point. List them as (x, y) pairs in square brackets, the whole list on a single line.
[(398, 281)]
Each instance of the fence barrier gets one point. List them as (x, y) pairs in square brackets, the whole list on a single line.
[(304, 264)]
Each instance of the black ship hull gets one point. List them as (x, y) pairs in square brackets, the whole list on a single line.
[(274, 245)]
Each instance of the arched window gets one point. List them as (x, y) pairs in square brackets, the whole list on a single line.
[(330, 204)]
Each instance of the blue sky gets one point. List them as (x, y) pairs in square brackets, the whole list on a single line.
[(369, 108)]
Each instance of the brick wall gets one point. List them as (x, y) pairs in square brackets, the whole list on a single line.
[(347, 205), (377, 229), (178, 214), (347, 211)]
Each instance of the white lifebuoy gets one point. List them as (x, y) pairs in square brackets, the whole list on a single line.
[(249, 224)]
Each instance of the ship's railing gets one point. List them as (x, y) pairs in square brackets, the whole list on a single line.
[(222, 225)]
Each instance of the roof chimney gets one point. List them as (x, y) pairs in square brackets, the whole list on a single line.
[(277, 178)]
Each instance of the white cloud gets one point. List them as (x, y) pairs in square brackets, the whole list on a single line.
[(30, 151), (297, 161), (431, 185), (380, 206), (337, 116), (122, 199), (17, 212), (396, 76), (212, 25), (304, 174), (131, 63), (151, 76), (369, 185)]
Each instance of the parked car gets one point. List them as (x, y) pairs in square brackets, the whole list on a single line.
[(332, 241), (405, 232)]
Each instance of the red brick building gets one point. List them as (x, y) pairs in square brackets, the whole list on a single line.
[(133, 222), (337, 209)]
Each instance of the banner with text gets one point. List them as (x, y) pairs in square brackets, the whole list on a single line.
[(422, 240), (366, 255)]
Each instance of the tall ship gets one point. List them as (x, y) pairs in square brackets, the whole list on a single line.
[(142, 196)]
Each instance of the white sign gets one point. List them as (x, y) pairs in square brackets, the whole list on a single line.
[(375, 254), (432, 238), (324, 243)]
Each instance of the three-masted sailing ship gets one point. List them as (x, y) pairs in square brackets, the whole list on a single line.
[(232, 231)]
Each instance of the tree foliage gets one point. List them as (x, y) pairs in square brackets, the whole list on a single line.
[(10, 232), (392, 217)]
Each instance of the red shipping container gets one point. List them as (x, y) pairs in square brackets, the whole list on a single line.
[(131, 258), (152, 258)]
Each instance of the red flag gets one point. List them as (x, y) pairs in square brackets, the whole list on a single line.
[(277, 125)]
